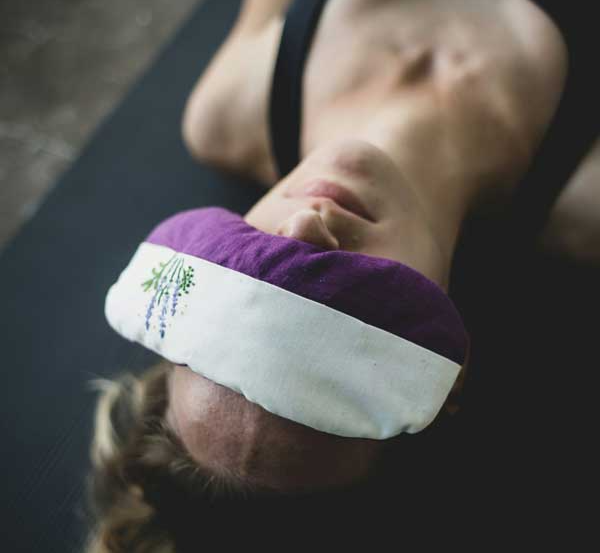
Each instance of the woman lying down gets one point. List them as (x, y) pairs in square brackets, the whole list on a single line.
[(304, 338)]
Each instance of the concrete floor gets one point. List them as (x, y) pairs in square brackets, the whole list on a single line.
[(64, 64)]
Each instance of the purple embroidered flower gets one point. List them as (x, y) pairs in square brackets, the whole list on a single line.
[(176, 294), (163, 316), (169, 281), (151, 309)]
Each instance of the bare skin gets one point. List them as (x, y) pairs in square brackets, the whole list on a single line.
[(225, 120), (388, 72), (240, 440), (573, 230), (420, 108)]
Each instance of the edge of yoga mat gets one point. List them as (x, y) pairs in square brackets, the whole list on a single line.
[(55, 273)]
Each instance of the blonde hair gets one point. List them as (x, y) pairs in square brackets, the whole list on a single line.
[(138, 466), (147, 495)]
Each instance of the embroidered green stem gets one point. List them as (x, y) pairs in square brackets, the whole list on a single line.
[(157, 275)]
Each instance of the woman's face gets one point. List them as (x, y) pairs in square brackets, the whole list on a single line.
[(349, 196), (221, 429)]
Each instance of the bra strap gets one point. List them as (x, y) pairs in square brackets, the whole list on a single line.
[(285, 104)]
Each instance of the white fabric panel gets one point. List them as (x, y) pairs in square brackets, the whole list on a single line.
[(293, 356)]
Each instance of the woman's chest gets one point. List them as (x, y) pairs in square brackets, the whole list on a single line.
[(444, 75), (433, 74)]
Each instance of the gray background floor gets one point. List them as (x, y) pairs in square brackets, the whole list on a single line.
[(64, 64)]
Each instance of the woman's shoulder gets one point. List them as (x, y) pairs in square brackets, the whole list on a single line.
[(542, 46), (225, 118)]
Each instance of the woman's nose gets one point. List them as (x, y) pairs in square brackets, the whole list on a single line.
[(307, 225)]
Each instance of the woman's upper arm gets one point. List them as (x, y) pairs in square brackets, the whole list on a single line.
[(255, 14), (573, 229)]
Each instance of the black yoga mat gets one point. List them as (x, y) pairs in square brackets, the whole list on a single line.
[(528, 397), (133, 173)]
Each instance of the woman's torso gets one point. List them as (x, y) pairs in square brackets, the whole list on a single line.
[(452, 89)]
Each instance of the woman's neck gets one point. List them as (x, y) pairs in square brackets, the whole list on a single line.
[(445, 198), (445, 194)]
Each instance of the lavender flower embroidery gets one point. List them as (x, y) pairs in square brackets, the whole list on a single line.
[(175, 299), (163, 316), (168, 282), (150, 309)]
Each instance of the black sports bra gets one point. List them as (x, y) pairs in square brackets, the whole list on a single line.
[(574, 128)]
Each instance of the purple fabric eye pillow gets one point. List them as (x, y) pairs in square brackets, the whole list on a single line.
[(380, 292), (346, 343)]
